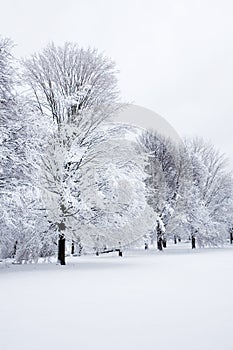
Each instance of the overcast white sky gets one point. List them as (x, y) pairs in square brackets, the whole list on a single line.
[(175, 57)]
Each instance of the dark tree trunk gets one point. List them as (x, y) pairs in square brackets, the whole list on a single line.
[(193, 240), (80, 249), (179, 239), (120, 253), (72, 248), (160, 243), (159, 237), (146, 246), (61, 239), (164, 243), (175, 239), (61, 249), (15, 249), (231, 237)]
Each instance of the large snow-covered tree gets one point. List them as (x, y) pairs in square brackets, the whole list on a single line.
[(77, 88)]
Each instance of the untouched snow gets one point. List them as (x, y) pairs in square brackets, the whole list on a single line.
[(176, 300)]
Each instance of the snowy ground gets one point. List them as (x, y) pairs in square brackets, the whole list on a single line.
[(176, 300)]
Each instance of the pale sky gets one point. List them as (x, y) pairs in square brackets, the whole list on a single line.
[(174, 57)]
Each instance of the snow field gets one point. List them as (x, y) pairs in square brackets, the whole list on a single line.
[(175, 300)]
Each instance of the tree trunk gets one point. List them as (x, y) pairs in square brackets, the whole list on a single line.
[(193, 239), (164, 243), (160, 243), (175, 239), (72, 248), (120, 253), (80, 249), (231, 237), (61, 249), (15, 249), (159, 237), (146, 246)]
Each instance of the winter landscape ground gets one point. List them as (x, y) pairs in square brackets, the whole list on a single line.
[(176, 299)]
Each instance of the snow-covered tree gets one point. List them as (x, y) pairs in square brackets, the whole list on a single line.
[(167, 174), (20, 197), (77, 88), (209, 205), (21, 138)]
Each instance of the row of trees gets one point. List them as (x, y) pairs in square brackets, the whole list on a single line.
[(191, 190), (68, 174)]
